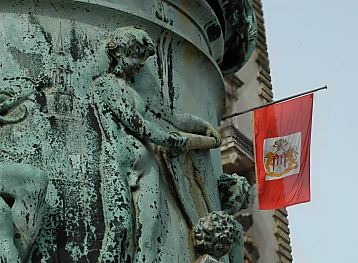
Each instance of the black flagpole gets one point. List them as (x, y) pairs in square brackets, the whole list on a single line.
[(274, 102)]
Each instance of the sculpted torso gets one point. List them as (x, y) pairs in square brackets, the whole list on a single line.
[(129, 151)]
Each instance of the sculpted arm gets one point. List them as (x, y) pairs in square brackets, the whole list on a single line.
[(127, 115), (193, 124)]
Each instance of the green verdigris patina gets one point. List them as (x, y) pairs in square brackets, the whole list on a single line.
[(127, 159), (23, 190), (107, 115)]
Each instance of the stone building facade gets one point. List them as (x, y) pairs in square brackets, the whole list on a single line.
[(266, 232)]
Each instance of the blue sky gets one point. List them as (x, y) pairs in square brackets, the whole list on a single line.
[(314, 43)]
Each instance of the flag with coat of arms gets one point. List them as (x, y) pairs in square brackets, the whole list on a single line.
[(282, 134)]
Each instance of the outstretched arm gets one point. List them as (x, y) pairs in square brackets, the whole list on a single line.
[(132, 120), (148, 130), (193, 124)]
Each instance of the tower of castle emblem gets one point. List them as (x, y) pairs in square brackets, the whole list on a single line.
[(282, 156)]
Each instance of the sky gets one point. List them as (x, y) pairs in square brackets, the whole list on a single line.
[(313, 43)]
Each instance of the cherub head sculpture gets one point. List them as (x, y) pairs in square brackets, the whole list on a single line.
[(128, 48), (234, 192)]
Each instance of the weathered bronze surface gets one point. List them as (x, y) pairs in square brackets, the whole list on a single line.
[(108, 112)]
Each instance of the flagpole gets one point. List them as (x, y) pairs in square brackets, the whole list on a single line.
[(274, 102)]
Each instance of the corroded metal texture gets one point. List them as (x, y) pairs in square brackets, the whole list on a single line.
[(234, 193), (215, 234), (240, 37), (114, 105), (22, 203)]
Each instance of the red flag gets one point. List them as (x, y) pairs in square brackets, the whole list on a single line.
[(282, 152)]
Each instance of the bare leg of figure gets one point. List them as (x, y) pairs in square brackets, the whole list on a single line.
[(117, 213), (147, 203)]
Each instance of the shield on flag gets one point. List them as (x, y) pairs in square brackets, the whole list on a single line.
[(282, 156)]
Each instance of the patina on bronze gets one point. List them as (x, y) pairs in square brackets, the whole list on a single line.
[(108, 112)]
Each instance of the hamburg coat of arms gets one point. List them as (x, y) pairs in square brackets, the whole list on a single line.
[(282, 156)]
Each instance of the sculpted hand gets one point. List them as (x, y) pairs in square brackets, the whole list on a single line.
[(211, 132), (179, 141)]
